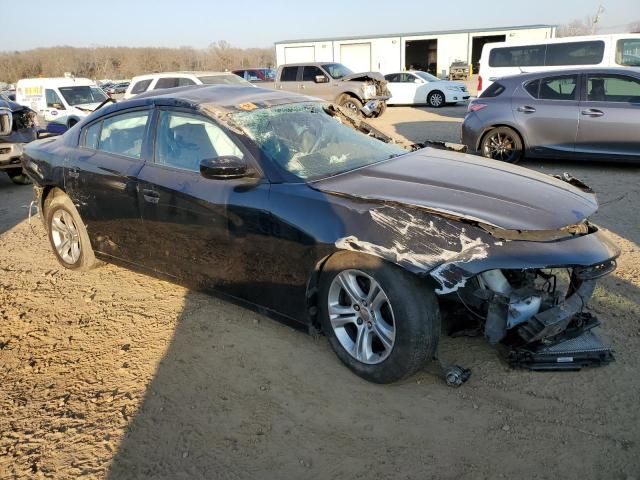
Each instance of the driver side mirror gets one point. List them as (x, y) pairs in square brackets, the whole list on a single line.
[(321, 79), (58, 106), (225, 167), (6, 121)]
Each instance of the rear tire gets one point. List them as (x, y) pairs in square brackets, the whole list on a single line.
[(502, 143), (67, 234), (18, 177), (436, 99), (387, 327)]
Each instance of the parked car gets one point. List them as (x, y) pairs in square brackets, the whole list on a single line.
[(458, 70), (416, 87), (277, 203), (362, 93), (256, 75), (580, 113), (59, 102), (17, 127), (117, 88), (157, 81)]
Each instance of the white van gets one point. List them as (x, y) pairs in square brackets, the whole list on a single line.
[(157, 81), (504, 58), (60, 102)]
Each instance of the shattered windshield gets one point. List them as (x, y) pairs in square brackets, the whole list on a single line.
[(82, 95), (337, 70), (306, 141)]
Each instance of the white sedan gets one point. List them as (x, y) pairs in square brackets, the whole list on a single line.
[(415, 87)]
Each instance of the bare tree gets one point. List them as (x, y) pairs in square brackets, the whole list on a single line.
[(575, 28)]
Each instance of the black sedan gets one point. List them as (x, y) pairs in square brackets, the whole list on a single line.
[(273, 199)]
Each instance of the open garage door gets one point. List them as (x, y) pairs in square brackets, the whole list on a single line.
[(299, 54), (476, 47), (356, 56)]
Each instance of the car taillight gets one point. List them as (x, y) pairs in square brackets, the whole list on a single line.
[(479, 83), (474, 107)]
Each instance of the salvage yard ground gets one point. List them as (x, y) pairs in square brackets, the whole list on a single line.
[(114, 374)]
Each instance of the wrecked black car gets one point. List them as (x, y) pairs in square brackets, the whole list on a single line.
[(276, 200), (19, 129)]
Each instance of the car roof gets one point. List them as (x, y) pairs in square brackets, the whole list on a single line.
[(572, 71), (307, 64), (183, 73), (213, 99)]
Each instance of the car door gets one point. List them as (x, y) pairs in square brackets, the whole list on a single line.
[(289, 79), (309, 85), (55, 111), (546, 112), (101, 180), (402, 88), (609, 116), (209, 233)]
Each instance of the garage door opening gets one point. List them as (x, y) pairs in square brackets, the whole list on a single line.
[(476, 48), (421, 55)]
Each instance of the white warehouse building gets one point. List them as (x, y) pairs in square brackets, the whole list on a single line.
[(429, 51)]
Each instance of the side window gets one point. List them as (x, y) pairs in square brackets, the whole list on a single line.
[(289, 74), (628, 52), (392, 77), (613, 88), (169, 82), (53, 100), (184, 82), (524, 56), (531, 87), (558, 88), (123, 134), (140, 86), (575, 53), (184, 140), (309, 74), (92, 136), (407, 78)]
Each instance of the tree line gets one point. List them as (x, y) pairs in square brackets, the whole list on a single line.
[(126, 62)]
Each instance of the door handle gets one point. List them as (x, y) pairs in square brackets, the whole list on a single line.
[(151, 196), (526, 109), (592, 112)]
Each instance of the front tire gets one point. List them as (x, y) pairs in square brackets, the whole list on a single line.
[(67, 234), (352, 104), (382, 322), (436, 99), (502, 143), (18, 177)]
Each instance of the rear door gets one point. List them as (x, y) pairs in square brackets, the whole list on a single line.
[(101, 181), (610, 117), (546, 111), (290, 79), (402, 87), (208, 233)]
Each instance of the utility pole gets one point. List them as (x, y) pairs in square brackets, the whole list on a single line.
[(595, 19)]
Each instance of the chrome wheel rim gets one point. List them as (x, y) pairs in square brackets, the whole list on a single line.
[(361, 316), (436, 99), (65, 236), (500, 146), (351, 106)]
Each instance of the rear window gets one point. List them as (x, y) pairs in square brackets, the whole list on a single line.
[(575, 53), (522, 56), (628, 52), (289, 74), (493, 90), (140, 86)]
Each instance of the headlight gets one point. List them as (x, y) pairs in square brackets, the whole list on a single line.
[(369, 90)]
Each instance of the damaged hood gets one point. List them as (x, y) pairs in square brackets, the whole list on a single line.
[(467, 186), (363, 76)]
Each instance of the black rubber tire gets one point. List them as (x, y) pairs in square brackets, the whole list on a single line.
[(351, 103), (432, 99), (381, 110), (18, 177), (58, 200), (518, 148), (416, 312)]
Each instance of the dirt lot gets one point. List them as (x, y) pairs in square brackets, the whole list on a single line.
[(115, 374)]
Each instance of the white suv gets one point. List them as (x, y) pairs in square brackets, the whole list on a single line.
[(156, 81)]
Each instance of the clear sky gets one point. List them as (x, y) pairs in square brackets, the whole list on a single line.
[(251, 23)]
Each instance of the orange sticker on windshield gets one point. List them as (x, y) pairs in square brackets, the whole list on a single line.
[(248, 106)]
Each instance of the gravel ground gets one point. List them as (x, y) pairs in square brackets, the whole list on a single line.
[(114, 374)]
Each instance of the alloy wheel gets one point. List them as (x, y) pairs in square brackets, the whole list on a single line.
[(500, 146), (65, 236), (436, 99), (361, 316)]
